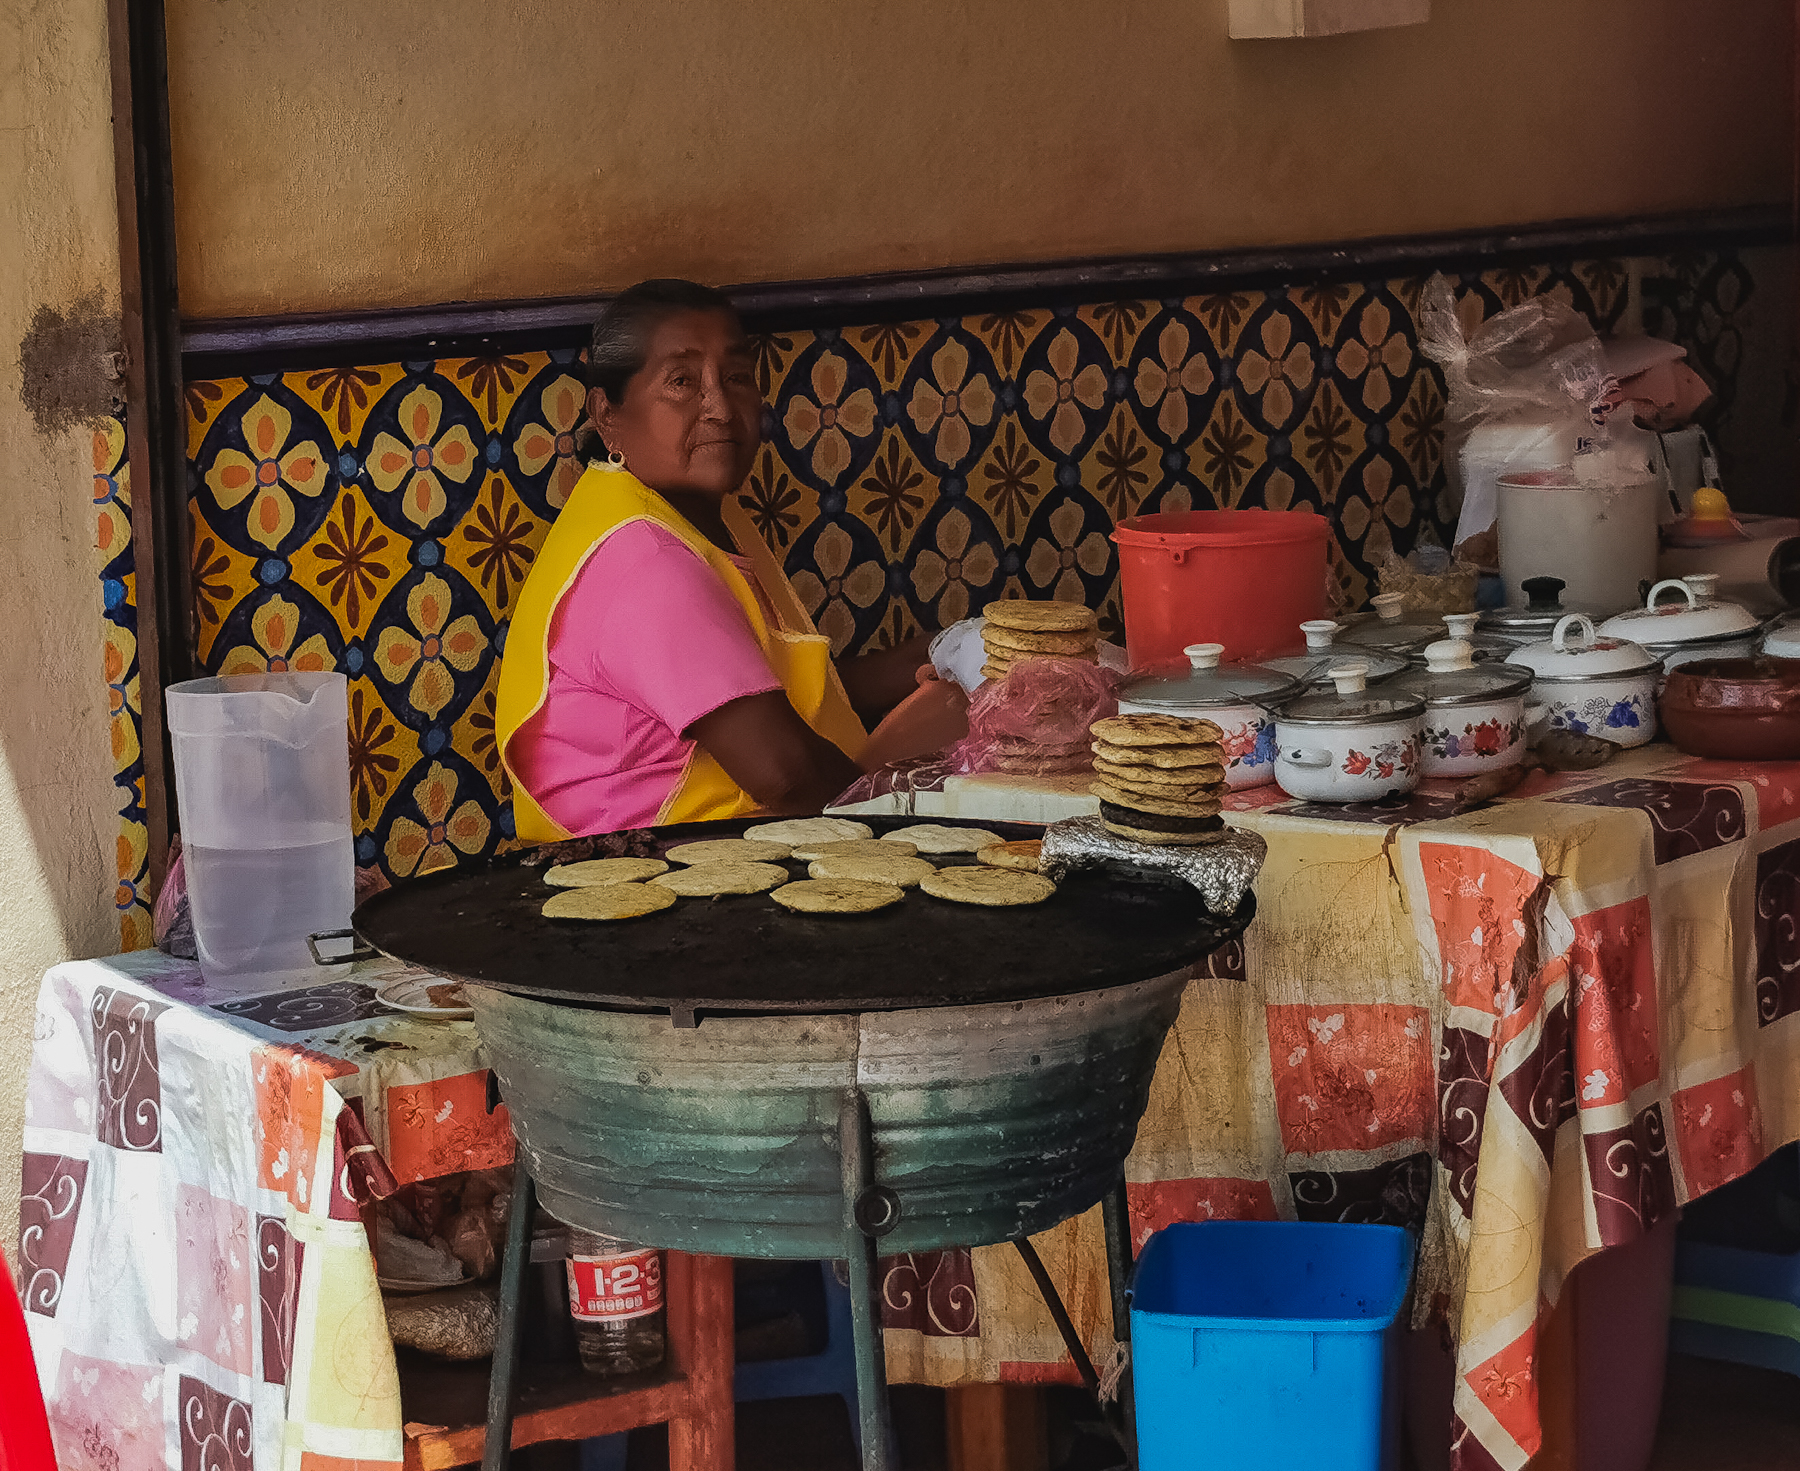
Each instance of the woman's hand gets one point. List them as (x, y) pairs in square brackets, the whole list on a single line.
[(879, 681), (933, 716)]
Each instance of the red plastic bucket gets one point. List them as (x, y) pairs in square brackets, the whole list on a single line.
[(1244, 579)]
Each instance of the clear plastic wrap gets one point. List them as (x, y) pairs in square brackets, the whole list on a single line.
[(1524, 389)]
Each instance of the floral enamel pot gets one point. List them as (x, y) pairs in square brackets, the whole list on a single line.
[(1474, 713), (1603, 687), (1697, 625), (1350, 745), (1324, 653), (1238, 698)]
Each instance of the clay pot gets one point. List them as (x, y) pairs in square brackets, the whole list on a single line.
[(1735, 709)]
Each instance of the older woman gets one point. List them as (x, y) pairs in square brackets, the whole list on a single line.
[(659, 666)]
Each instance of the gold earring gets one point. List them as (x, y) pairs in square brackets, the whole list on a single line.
[(616, 459)]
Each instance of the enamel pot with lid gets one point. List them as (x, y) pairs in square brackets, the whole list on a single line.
[(1324, 653), (1238, 698), (1350, 745), (1390, 629), (1474, 713), (1697, 625), (1603, 687), (1537, 620)]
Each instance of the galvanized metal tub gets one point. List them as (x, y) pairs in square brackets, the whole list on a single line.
[(989, 1121)]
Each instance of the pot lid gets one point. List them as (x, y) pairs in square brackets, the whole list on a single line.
[(1350, 703), (1537, 619), (1313, 668), (1575, 651), (1694, 617), (1389, 629), (1207, 685), (1452, 677), (1783, 640)]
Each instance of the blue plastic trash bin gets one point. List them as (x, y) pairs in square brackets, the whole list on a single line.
[(1271, 1344)]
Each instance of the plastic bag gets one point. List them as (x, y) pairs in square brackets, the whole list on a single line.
[(473, 1240), (1529, 386), (171, 920), (1035, 721)]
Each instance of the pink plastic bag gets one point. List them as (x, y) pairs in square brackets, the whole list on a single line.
[(1035, 721)]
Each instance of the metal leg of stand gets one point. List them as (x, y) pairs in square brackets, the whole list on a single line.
[(513, 1264), (869, 1211), (1116, 1214)]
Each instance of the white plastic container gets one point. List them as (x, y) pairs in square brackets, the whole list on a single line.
[(1493, 450), (262, 779), (1599, 538)]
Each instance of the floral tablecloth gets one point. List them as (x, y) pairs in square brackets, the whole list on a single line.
[(1533, 1031), (196, 1274)]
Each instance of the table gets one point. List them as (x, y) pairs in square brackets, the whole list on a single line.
[(198, 1171), (1533, 1030)]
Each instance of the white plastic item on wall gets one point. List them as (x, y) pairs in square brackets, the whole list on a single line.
[(1252, 20)]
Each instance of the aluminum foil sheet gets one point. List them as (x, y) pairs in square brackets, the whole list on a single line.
[(1222, 872)]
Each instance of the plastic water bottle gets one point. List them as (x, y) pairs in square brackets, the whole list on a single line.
[(616, 1300)]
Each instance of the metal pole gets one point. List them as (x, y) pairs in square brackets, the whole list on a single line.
[(864, 1207), (498, 1444), (1115, 1210)]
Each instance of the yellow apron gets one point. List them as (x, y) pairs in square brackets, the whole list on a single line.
[(603, 500)]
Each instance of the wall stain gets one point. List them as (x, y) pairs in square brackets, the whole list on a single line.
[(69, 365)]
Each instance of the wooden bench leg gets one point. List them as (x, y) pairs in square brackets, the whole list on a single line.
[(702, 1344), (995, 1427)]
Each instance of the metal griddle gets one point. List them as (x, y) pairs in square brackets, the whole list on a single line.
[(994, 1091), (482, 922)]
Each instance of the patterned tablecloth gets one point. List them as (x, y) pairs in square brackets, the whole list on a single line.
[(196, 1274), (1533, 1030)]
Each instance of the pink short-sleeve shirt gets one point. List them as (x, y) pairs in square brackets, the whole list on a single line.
[(646, 641)]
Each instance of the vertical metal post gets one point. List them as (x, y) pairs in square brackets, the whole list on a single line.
[(498, 1445), (856, 1152), (1115, 1213)]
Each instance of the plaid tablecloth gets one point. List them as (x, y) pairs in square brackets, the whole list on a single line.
[(1533, 1031), (196, 1274)]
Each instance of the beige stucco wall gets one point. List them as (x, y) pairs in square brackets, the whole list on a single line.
[(59, 248), (338, 155)]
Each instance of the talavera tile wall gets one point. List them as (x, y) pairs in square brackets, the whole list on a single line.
[(378, 518)]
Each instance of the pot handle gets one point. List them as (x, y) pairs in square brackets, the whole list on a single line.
[(1311, 760), (1565, 623), (1678, 585)]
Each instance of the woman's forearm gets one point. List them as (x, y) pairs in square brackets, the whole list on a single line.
[(878, 681)]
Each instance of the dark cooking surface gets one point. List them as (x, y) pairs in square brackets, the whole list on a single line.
[(482, 922)]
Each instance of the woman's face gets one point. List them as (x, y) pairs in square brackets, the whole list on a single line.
[(692, 416)]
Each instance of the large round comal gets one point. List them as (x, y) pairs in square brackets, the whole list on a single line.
[(989, 1122)]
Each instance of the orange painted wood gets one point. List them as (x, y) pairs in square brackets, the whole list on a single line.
[(701, 1342), (444, 1404), (995, 1427)]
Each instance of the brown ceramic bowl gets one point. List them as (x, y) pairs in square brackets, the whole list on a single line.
[(1735, 709)]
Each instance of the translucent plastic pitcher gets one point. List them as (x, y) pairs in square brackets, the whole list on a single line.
[(262, 778)]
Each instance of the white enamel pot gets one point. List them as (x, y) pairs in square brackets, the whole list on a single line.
[(1590, 685), (1236, 698), (1474, 712), (1348, 746)]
